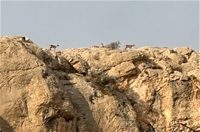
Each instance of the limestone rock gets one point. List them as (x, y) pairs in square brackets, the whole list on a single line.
[(32, 98), (186, 51), (100, 59), (150, 89), (123, 69)]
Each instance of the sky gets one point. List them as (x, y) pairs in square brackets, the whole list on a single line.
[(82, 24)]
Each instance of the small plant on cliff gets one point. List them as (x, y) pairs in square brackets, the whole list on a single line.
[(113, 45), (103, 82)]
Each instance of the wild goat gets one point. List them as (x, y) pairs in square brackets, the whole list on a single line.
[(129, 46), (53, 46)]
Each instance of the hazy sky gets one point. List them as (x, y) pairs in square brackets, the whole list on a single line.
[(75, 24)]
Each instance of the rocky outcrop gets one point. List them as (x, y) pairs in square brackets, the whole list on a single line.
[(98, 89), (32, 98)]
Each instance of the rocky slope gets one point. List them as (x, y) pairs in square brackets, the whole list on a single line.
[(149, 89)]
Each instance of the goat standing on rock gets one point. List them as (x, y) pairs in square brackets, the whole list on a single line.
[(53, 46), (129, 46)]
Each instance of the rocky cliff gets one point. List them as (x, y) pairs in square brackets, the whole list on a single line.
[(149, 89)]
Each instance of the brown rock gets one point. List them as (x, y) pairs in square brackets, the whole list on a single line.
[(98, 89), (31, 97), (123, 69)]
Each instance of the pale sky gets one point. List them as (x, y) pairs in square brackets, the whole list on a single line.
[(76, 24)]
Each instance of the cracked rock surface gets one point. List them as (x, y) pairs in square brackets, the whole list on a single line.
[(149, 89)]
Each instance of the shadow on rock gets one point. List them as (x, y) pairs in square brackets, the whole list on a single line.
[(5, 126), (85, 119)]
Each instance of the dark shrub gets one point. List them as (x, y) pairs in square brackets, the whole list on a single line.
[(113, 45), (103, 82)]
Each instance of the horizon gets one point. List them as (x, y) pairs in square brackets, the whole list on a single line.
[(78, 24)]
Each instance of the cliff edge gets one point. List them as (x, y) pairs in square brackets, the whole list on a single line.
[(148, 89)]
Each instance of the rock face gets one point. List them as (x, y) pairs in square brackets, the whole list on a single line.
[(149, 89)]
